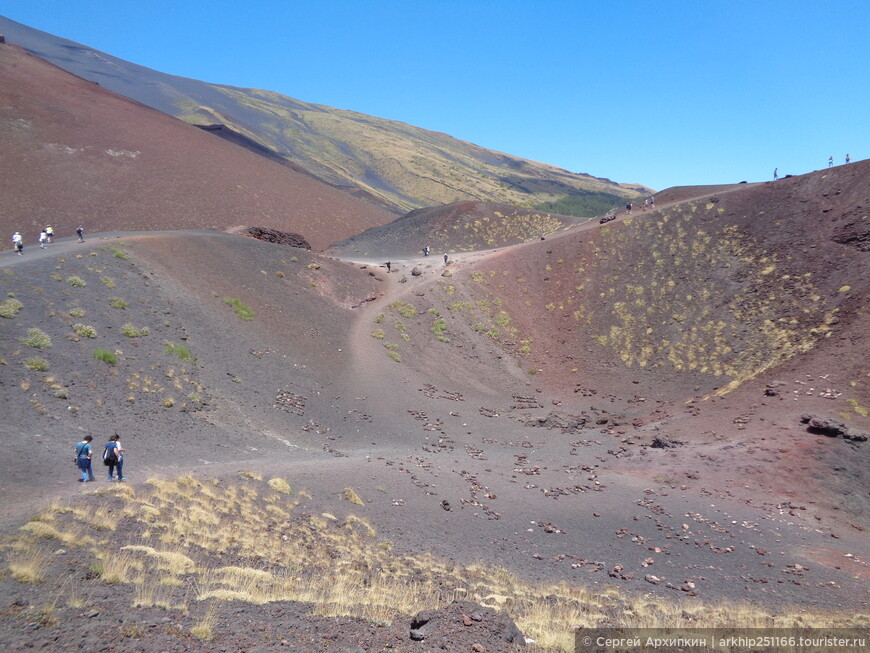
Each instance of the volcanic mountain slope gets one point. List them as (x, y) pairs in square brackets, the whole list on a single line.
[(451, 228), (74, 153), (388, 162), (496, 429)]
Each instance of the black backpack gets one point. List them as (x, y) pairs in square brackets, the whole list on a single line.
[(109, 456)]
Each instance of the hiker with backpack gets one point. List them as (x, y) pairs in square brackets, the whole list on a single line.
[(49, 232), (113, 456), (17, 243), (84, 451)]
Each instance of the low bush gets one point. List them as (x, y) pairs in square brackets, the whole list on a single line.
[(10, 307), (106, 356), (36, 338), (84, 330)]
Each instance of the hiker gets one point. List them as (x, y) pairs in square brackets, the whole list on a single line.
[(652, 200), (445, 259), (426, 250), (113, 457), (49, 232), (80, 233), (775, 174), (831, 161), (848, 158), (17, 244), (628, 207), (43, 238), (646, 204), (84, 451), (388, 267)]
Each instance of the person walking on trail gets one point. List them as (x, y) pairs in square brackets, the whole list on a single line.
[(43, 238), (80, 233), (17, 243), (50, 233), (830, 161), (775, 174), (446, 259), (113, 457), (84, 453), (389, 265), (848, 159)]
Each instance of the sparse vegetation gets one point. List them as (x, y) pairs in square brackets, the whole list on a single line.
[(106, 356), (243, 311), (179, 351), (9, 307), (132, 332), (76, 282), (84, 331), (36, 338), (36, 364), (117, 302)]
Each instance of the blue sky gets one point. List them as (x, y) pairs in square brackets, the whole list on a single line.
[(659, 92)]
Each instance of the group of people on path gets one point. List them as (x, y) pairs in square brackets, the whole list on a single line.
[(45, 238), (830, 165), (113, 458)]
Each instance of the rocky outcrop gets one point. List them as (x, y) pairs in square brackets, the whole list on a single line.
[(278, 237)]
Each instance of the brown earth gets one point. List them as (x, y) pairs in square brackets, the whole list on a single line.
[(583, 448), (73, 153)]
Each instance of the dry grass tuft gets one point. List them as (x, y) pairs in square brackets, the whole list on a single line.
[(351, 495), (336, 564)]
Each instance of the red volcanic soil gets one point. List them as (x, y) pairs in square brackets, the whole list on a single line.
[(456, 450), (74, 153), (618, 406)]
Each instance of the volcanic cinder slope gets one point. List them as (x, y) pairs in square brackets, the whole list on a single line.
[(617, 407), (72, 152), (390, 163)]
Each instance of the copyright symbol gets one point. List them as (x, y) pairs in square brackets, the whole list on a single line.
[(587, 641)]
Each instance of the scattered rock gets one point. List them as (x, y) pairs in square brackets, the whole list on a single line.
[(280, 237)]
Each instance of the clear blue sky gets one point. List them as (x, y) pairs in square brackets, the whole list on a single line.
[(658, 92)]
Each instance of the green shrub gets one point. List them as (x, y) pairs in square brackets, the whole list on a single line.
[(9, 307), (106, 356), (439, 327), (77, 312), (107, 282), (117, 302), (36, 364), (180, 351), (120, 253), (378, 334), (36, 338), (84, 330), (76, 282), (395, 357), (243, 311), (404, 309)]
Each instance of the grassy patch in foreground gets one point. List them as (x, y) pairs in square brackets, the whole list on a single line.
[(245, 541)]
